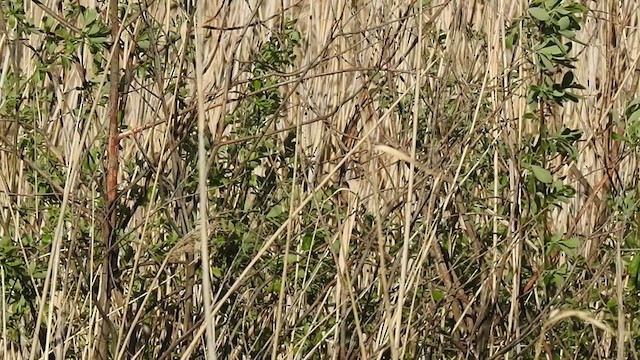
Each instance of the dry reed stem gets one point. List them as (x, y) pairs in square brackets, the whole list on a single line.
[(333, 107)]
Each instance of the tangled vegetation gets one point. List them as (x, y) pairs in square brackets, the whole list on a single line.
[(311, 180)]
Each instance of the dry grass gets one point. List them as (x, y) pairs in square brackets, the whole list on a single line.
[(421, 246)]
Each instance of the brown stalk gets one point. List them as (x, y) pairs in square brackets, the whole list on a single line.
[(110, 261)]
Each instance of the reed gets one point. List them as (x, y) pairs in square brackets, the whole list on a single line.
[(380, 182)]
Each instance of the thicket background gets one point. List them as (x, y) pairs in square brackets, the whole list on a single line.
[(365, 179)]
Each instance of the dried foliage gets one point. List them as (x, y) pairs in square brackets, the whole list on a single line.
[(428, 179)]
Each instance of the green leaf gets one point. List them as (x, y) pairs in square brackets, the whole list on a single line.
[(336, 246), (548, 65), (634, 266), (437, 295), (98, 40), (40, 274), (633, 103), (307, 242), (94, 29), (275, 211), (510, 40), (552, 50), (567, 33), (571, 243), (144, 44), (274, 286), (47, 23), (539, 13), (567, 79), (543, 175), (291, 258), (571, 96), (533, 207), (5, 244), (564, 22), (90, 16), (550, 4), (633, 118), (217, 272)]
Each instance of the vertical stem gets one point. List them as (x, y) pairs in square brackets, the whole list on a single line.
[(109, 263), (620, 298), (187, 224), (543, 137), (203, 190)]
